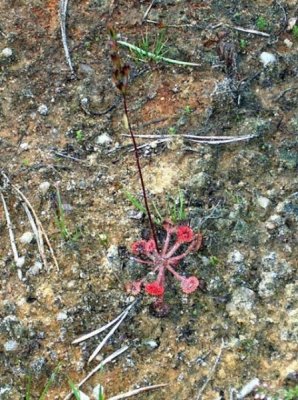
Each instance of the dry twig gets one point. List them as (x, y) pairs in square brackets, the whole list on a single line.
[(211, 373), (99, 366), (38, 222), (62, 18), (148, 10), (11, 236), (252, 31), (137, 391), (37, 233)]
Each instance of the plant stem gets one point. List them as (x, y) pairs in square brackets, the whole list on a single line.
[(140, 172)]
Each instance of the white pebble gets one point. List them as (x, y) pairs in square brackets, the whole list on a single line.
[(7, 52), (288, 43), (10, 345), (43, 110), (104, 139), (263, 201), (61, 316), (24, 146), (235, 257), (44, 187), (267, 58), (27, 237), (20, 262)]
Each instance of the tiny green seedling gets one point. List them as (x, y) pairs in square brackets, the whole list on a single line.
[(77, 394), (172, 130), (213, 260), (187, 109), (176, 207), (261, 23), (295, 32), (75, 390), (79, 135), (243, 44), (134, 201)]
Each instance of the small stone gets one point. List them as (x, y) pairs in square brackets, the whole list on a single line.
[(235, 257), (24, 146), (242, 300), (10, 345), (152, 344), (273, 222), (27, 237), (61, 316), (43, 110), (35, 269), (288, 43), (104, 139), (7, 52), (267, 58), (44, 187), (291, 23), (85, 69), (263, 202), (20, 262)]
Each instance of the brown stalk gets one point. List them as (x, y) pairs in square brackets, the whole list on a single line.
[(136, 153)]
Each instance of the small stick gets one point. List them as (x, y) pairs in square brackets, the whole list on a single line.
[(197, 139), (107, 337), (37, 233), (62, 18), (148, 10), (137, 391), (151, 21), (248, 388), (253, 31), (103, 328), (36, 219), (57, 153), (99, 366), (157, 58), (211, 373), (149, 144), (284, 92), (10, 231)]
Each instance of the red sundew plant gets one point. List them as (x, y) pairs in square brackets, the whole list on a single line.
[(178, 243), (180, 240)]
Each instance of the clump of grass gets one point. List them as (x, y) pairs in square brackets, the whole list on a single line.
[(175, 208), (151, 49), (262, 23)]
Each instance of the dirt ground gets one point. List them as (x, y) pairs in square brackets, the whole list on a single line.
[(64, 135)]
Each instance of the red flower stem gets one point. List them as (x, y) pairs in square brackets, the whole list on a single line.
[(178, 258), (173, 250), (176, 275), (161, 276), (140, 172), (139, 260)]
